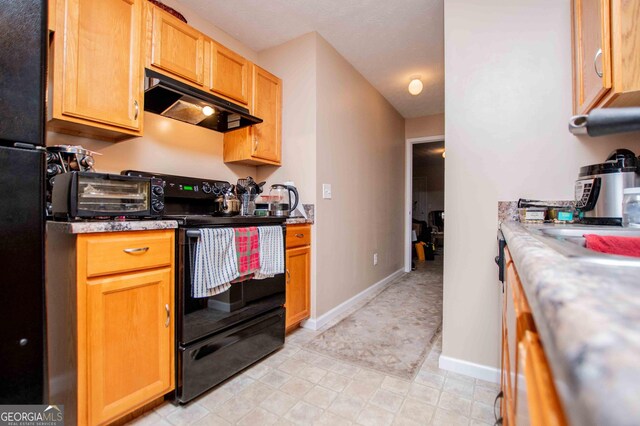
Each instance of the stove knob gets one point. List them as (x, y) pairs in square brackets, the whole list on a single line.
[(157, 190), (158, 206), (206, 188), (53, 169)]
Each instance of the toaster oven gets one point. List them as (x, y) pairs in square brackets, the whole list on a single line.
[(96, 195)]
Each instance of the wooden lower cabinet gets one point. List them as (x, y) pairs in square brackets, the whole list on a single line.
[(529, 394), (298, 275), (111, 334), (128, 330)]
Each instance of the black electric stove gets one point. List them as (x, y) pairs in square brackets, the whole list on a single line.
[(195, 221), (217, 336)]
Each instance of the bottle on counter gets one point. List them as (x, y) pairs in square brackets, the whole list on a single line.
[(631, 208)]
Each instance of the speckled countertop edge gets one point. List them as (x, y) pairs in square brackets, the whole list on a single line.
[(91, 227), (588, 318), (310, 210)]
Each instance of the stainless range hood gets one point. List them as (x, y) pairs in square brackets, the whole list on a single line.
[(174, 99)]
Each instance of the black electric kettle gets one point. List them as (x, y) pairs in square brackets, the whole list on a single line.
[(280, 200)]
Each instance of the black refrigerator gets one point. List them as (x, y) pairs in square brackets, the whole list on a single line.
[(23, 50)]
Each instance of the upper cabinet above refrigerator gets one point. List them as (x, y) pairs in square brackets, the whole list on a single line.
[(606, 45), (97, 88)]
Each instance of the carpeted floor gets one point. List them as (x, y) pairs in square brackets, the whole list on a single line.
[(393, 332)]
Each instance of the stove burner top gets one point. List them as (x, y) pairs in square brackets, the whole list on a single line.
[(192, 221)]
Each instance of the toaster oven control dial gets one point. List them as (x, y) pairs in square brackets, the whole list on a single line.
[(157, 206), (157, 190), (206, 188)]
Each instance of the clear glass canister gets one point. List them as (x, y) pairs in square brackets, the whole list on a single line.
[(631, 207)]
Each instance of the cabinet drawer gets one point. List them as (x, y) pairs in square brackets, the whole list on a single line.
[(298, 235), (127, 251)]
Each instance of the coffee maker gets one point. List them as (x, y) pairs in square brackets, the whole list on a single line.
[(599, 188)]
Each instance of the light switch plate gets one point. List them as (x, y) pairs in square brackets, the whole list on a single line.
[(326, 191)]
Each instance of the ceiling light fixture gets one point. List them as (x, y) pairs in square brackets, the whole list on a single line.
[(415, 85), (207, 110)]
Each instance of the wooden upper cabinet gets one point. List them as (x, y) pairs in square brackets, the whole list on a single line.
[(97, 68), (175, 47), (592, 51), (261, 143), (606, 64), (230, 74), (267, 104)]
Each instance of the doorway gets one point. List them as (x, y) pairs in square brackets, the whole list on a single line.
[(424, 191)]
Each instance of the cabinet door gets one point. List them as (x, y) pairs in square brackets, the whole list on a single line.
[(176, 47), (130, 342), (98, 66), (267, 104), (298, 301), (540, 404), (230, 73), (592, 52)]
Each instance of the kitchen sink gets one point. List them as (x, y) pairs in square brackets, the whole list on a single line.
[(569, 241)]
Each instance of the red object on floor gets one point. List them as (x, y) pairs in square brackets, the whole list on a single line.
[(625, 246)]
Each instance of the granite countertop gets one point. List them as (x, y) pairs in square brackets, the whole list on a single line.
[(588, 318), (310, 219), (298, 220), (90, 227)]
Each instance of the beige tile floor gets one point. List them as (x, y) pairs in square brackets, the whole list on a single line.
[(298, 387), (295, 386)]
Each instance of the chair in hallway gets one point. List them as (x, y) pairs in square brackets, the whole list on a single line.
[(435, 219)]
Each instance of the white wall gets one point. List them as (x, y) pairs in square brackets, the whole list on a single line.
[(360, 152), (508, 99), (427, 125), (338, 129)]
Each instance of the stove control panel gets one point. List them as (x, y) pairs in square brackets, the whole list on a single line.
[(183, 186)]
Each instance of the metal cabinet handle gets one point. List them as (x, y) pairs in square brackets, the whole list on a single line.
[(136, 250), (288, 276), (166, 307), (595, 63), (255, 149), (137, 107), (495, 402), (300, 235)]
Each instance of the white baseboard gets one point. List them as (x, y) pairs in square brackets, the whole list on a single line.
[(317, 323), (478, 371)]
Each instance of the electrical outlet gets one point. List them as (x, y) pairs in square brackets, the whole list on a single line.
[(375, 259), (326, 191)]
